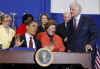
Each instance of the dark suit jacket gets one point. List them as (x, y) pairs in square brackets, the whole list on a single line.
[(86, 34), (37, 42), (64, 32)]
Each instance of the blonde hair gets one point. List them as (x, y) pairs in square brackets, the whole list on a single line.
[(5, 16)]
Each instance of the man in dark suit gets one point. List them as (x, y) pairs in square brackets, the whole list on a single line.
[(84, 32), (63, 30), (28, 40)]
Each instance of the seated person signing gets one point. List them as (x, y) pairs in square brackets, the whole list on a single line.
[(49, 39)]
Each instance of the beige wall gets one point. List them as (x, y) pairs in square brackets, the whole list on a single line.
[(89, 6)]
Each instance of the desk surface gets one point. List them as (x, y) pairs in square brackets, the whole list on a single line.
[(27, 57)]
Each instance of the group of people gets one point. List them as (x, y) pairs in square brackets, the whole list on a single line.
[(77, 33)]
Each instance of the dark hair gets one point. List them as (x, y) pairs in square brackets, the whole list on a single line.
[(51, 22), (43, 14), (26, 16)]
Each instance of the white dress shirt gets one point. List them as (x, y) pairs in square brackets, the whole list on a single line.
[(28, 40), (77, 20), (65, 25)]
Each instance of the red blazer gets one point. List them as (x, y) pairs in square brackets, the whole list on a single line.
[(21, 30), (45, 41)]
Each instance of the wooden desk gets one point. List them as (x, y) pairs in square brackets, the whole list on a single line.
[(26, 57)]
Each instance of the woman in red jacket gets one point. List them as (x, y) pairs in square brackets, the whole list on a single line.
[(22, 28), (49, 39)]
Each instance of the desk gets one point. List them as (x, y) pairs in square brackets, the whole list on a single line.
[(26, 57)]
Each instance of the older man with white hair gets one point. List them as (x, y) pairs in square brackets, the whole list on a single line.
[(84, 32)]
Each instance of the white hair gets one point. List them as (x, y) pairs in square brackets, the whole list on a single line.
[(77, 5)]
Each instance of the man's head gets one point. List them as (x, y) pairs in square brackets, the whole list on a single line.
[(6, 19), (27, 18), (75, 9), (50, 27), (67, 17), (32, 27)]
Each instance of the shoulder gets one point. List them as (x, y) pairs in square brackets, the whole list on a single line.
[(57, 37), (86, 18), (41, 33), (1, 26), (12, 30), (21, 26)]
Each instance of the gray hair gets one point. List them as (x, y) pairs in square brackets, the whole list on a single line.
[(77, 5)]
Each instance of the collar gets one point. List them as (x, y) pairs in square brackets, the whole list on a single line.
[(29, 35), (78, 17)]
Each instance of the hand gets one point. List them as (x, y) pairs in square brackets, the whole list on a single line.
[(66, 39), (50, 47), (18, 42), (69, 51), (87, 47)]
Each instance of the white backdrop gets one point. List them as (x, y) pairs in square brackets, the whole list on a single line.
[(88, 6)]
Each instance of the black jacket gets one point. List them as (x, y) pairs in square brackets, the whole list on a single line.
[(37, 42)]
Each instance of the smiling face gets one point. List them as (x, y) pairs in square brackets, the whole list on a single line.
[(6, 21), (51, 30), (44, 19)]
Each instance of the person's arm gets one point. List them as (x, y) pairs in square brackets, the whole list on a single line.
[(93, 33), (12, 43), (16, 42), (61, 45)]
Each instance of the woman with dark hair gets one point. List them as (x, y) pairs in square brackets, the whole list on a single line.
[(44, 18), (49, 39), (22, 28)]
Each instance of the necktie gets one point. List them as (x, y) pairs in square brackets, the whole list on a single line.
[(30, 43), (74, 25)]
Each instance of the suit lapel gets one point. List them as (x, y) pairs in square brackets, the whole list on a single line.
[(36, 44), (80, 24), (65, 29), (25, 42)]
